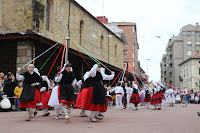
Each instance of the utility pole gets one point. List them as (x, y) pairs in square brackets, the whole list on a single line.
[(67, 39), (147, 68), (127, 72)]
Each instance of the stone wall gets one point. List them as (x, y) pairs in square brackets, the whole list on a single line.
[(25, 53), (65, 21)]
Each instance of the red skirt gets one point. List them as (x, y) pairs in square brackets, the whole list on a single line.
[(82, 98), (88, 105), (147, 98), (38, 95), (29, 104), (162, 95), (45, 96), (63, 101), (108, 99), (154, 99), (135, 98)]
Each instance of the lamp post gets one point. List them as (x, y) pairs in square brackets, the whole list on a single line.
[(147, 67)]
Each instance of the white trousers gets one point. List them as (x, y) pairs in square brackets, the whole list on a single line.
[(163, 102), (57, 109), (119, 101), (186, 103), (128, 97), (148, 105)]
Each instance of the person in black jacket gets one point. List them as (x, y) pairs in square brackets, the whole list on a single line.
[(9, 86)]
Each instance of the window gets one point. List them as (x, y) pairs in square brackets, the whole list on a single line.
[(199, 71), (101, 41), (188, 34), (134, 38), (189, 43), (115, 49), (133, 63), (81, 31), (133, 46), (133, 55), (198, 43), (125, 52), (189, 53), (197, 34), (47, 14), (133, 29)]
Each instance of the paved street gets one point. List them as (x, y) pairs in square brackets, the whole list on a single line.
[(168, 120)]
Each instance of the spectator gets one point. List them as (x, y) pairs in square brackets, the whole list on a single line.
[(1, 81), (18, 92), (191, 96), (196, 98), (9, 86)]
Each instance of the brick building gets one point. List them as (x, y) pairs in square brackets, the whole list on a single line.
[(130, 49), (29, 27)]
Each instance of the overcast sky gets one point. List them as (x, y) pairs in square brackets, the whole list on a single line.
[(153, 18)]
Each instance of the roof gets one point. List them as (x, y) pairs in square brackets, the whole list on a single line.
[(192, 57), (43, 39), (124, 23)]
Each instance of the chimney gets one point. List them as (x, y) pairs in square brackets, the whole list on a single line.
[(102, 19), (197, 24)]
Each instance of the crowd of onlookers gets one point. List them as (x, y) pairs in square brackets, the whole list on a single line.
[(12, 89)]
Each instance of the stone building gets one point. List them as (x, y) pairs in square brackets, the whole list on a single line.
[(29, 27), (179, 49), (190, 73)]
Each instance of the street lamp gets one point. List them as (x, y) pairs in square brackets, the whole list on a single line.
[(147, 67)]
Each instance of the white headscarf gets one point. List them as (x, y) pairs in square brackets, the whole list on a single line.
[(135, 86), (45, 78), (36, 71)]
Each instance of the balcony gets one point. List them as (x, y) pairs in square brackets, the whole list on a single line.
[(170, 53), (170, 61)]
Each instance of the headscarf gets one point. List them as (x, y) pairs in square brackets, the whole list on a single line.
[(45, 78)]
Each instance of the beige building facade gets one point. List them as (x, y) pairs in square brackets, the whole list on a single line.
[(179, 49), (190, 73)]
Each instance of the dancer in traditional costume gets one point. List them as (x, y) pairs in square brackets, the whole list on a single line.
[(82, 96), (63, 94), (147, 98), (119, 91), (154, 99), (66, 81), (142, 96), (186, 97), (45, 95), (109, 97), (171, 97), (160, 95), (28, 98), (96, 100), (129, 92), (135, 98)]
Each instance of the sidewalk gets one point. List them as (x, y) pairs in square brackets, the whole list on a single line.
[(167, 120)]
